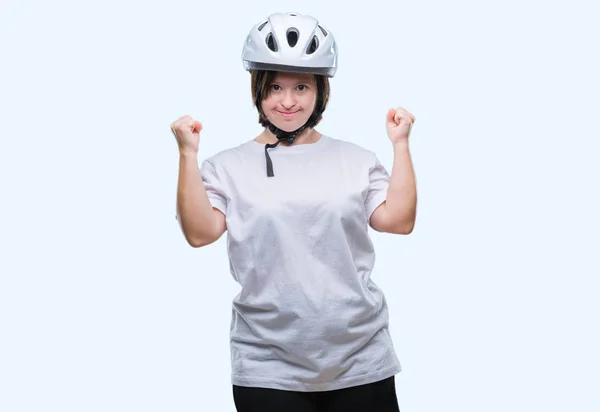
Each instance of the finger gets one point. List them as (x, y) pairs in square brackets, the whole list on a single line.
[(405, 116), (190, 124), (390, 115), (400, 117), (177, 123), (183, 118), (404, 111), (186, 123)]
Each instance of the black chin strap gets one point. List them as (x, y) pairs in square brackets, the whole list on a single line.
[(281, 135)]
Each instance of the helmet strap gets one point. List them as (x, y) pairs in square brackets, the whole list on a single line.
[(286, 136)]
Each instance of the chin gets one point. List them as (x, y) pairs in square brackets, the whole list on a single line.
[(289, 126)]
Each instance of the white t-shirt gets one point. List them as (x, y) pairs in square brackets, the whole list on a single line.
[(308, 317)]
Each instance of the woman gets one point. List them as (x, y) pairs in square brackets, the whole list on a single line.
[(309, 328)]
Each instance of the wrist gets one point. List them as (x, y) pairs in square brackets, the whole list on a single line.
[(188, 154), (401, 144)]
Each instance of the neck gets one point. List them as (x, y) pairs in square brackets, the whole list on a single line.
[(305, 137)]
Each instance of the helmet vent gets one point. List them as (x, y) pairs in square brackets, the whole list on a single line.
[(323, 30), (271, 42), (292, 14), (313, 46), (262, 25), (292, 36)]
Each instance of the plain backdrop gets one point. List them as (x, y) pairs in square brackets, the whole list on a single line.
[(494, 298)]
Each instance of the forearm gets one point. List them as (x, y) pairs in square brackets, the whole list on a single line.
[(193, 206), (401, 200)]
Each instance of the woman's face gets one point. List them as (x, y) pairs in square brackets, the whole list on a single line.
[(291, 100)]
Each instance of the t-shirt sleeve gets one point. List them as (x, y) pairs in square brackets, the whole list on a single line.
[(379, 181), (213, 186)]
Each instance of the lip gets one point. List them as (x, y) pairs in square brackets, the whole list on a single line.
[(287, 114)]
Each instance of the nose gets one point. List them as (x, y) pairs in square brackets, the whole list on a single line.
[(288, 100)]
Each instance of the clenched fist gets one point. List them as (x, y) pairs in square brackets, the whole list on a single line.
[(187, 133), (398, 124)]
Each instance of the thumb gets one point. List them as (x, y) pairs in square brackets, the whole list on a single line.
[(197, 127), (390, 116)]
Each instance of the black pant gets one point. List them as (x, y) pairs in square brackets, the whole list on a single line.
[(373, 397)]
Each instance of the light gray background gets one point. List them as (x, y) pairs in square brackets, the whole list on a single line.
[(494, 296)]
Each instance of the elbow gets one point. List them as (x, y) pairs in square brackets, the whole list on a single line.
[(199, 242), (405, 228), (409, 224), (408, 230), (196, 243), (195, 239)]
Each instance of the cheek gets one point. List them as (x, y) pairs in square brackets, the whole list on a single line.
[(311, 102), (266, 104)]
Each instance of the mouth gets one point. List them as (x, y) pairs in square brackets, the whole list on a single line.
[(287, 114)]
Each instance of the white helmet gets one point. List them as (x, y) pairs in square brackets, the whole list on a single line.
[(291, 42)]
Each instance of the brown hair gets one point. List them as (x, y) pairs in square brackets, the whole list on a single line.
[(261, 81)]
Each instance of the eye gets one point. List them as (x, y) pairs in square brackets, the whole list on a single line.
[(275, 87), (302, 87)]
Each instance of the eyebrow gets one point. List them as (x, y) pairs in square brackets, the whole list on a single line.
[(295, 84)]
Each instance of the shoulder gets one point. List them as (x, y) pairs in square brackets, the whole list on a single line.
[(229, 155), (353, 149)]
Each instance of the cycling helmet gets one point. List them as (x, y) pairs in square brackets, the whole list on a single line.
[(290, 42)]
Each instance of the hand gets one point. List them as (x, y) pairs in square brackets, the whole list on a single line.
[(187, 133), (398, 124)]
